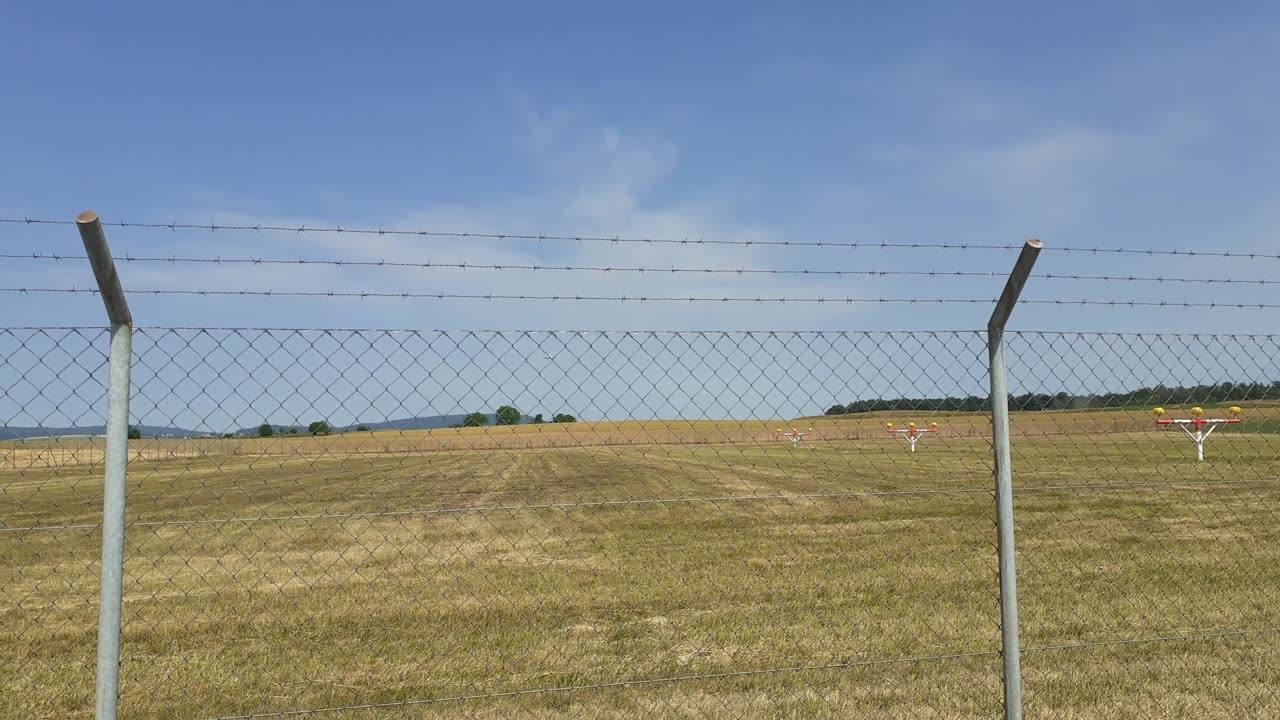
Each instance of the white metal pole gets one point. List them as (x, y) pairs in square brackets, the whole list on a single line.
[(107, 692), (1010, 648)]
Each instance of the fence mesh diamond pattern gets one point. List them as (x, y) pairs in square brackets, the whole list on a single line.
[(1147, 579), (655, 524)]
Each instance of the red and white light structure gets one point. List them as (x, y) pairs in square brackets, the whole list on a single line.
[(1203, 427), (795, 436), (911, 432)]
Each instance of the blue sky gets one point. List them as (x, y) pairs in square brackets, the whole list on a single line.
[(1139, 124), (1116, 124)]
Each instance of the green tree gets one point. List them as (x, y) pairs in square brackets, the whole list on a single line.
[(837, 410), (134, 433), (362, 428), (293, 431), (319, 427), (265, 430), (475, 419), (537, 419), (507, 415), (563, 418)]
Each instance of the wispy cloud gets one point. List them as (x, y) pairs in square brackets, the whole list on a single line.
[(996, 168), (597, 181)]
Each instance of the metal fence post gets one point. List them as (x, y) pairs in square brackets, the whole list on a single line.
[(117, 461), (1009, 646)]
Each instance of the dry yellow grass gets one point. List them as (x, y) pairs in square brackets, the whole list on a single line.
[(273, 575)]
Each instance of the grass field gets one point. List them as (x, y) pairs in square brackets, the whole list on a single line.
[(844, 578)]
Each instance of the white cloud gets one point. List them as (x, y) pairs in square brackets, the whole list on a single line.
[(1051, 176), (1055, 178), (1064, 159), (598, 181)]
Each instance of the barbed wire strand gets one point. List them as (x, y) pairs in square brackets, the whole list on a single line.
[(429, 265), (300, 229), (640, 331), (647, 298), (214, 227)]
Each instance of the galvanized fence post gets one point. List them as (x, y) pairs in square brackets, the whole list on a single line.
[(117, 460), (1009, 646)]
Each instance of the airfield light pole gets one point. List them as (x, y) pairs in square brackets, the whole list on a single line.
[(795, 436), (1010, 649), (911, 433), (1204, 427), (107, 693)]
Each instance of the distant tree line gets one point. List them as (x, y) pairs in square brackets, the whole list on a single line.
[(504, 415), (266, 430), (509, 415), (1142, 397)]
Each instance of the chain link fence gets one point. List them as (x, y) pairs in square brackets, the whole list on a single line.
[(1147, 579), (720, 525)]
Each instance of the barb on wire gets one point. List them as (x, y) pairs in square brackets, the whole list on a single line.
[(537, 267), (214, 227), (645, 298), (855, 244), (496, 296)]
